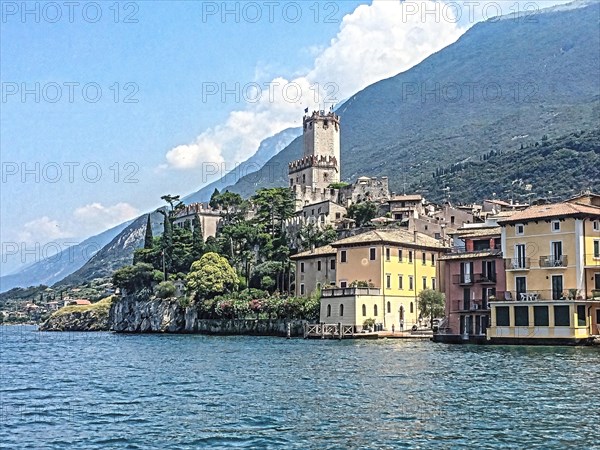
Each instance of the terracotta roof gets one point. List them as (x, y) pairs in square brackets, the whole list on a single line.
[(319, 251), (478, 232), (390, 236), (470, 255), (564, 209)]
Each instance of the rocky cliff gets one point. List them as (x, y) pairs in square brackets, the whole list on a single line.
[(139, 314)]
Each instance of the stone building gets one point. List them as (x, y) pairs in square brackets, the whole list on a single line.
[(210, 219)]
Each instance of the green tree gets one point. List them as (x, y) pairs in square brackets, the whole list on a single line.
[(148, 238), (197, 238), (431, 303), (213, 199), (134, 278), (273, 207), (311, 235), (173, 201), (362, 212), (211, 275)]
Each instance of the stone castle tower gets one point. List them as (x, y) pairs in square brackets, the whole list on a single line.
[(319, 166)]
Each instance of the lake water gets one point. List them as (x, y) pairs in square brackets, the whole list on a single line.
[(109, 391)]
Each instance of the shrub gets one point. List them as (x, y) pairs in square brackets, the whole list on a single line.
[(165, 289)]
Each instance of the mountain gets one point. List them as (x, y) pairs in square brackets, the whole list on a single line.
[(553, 168), (117, 253), (266, 150), (49, 270), (503, 82)]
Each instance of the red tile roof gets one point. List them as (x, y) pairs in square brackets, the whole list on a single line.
[(555, 210)]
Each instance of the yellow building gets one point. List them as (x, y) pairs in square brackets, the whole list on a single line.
[(315, 268), (552, 263), (379, 275)]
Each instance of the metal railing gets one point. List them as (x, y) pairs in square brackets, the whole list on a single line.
[(469, 305), (553, 261), (517, 263), (540, 295), (351, 291), (471, 278)]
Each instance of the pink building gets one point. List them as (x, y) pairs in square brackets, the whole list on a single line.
[(470, 276)]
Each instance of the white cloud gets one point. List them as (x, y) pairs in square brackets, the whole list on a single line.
[(43, 229), (374, 42)]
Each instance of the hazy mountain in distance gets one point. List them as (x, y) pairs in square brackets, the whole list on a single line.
[(50, 269)]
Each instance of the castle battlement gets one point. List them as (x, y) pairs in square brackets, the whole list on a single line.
[(322, 161), (323, 116)]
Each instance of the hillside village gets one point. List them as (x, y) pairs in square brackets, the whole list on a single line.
[(371, 260)]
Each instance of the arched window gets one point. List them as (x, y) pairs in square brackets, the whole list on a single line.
[(412, 309), (389, 305), (375, 310), (341, 309), (303, 179), (328, 310), (364, 308)]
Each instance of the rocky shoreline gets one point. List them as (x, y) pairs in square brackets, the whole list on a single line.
[(140, 314)]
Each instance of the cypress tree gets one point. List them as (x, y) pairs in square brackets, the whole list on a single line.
[(197, 238), (148, 239)]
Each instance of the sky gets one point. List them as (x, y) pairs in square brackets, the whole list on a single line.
[(106, 106)]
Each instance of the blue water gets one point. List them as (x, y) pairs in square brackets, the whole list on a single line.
[(109, 391)]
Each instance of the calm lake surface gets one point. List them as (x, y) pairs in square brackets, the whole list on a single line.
[(109, 391)]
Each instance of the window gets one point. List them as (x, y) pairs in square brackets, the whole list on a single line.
[(433, 259), (581, 316), (438, 236), (372, 254), (343, 256), (341, 310), (332, 264), (410, 256), (555, 225), (338, 215), (302, 267), (328, 310), (502, 316), (412, 308), (400, 282), (410, 283), (433, 286), (596, 225), (364, 310), (596, 249), (343, 284), (301, 289), (520, 229), (388, 281), (424, 258), (389, 307), (387, 254), (424, 282), (375, 310), (540, 316), (291, 181), (400, 254), (562, 316), (318, 265), (521, 316)]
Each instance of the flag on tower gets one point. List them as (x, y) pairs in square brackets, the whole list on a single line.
[(306, 110)]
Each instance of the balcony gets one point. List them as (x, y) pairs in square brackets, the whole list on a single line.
[(472, 278), (540, 295), (349, 292), (461, 306), (466, 279), (485, 278), (517, 263), (552, 262)]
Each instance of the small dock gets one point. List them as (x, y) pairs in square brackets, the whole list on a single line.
[(340, 331)]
